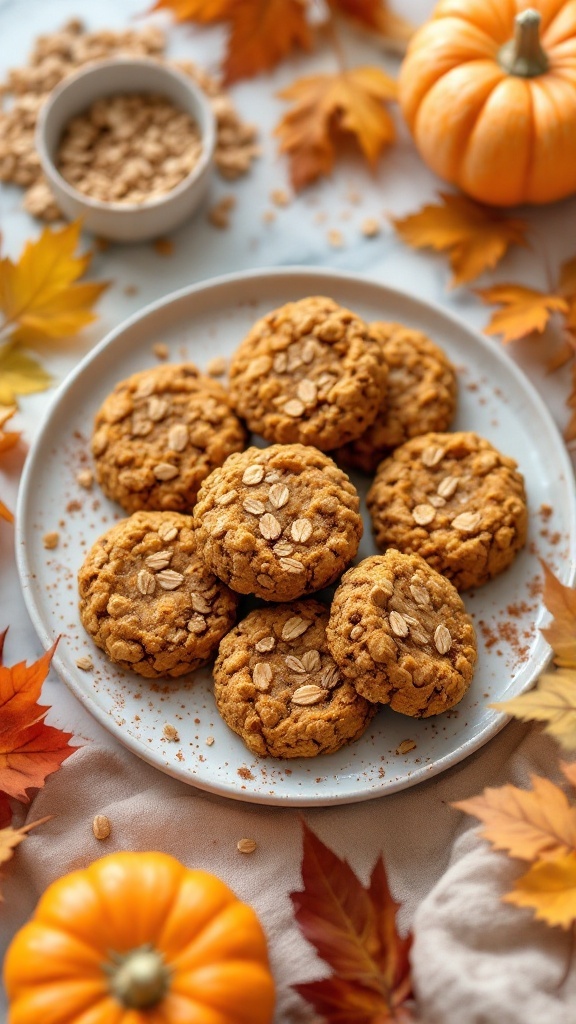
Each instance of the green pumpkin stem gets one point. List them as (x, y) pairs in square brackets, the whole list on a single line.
[(139, 979), (523, 55)]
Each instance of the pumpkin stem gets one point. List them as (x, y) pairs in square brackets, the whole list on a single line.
[(523, 55), (138, 979)]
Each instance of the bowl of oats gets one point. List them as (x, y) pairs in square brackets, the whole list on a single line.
[(127, 144)]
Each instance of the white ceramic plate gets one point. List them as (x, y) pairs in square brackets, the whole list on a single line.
[(210, 319)]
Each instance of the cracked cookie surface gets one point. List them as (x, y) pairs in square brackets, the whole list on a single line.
[(308, 372), (277, 686), (278, 522), (399, 631), (148, 600), (455, 500), (159, 434), (420, 395)]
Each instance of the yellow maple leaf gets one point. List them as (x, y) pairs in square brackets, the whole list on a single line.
[(526, 310), (39, 296), (549, 889), (11, 837), (475, 237), (20, 374), (561, 633), (325, 106), (552, 701), (526, 823)]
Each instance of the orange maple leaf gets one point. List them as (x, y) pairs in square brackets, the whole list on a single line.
[(394, 30), (205, 12), (354, 930), (325, 106), (526, 310), (549, 889), (561, 633), (475, 237), (10, 838), (7, 440)]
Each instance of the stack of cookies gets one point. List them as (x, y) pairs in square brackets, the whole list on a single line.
[(213, 519)]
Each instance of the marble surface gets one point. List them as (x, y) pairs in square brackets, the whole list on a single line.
[(297, 235)]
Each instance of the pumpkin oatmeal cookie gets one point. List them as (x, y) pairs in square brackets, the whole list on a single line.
[(148, 600), (308, 372), (277, 686), (399, 631), (420, 396), (159, 433), (278, 522), (455, 500)]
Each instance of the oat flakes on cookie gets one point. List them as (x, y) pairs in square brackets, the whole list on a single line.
[(308, 372), (420, 396), (148, 600), (399, 631), (159, 434), (455, 500), (277, 686), (278, 522)]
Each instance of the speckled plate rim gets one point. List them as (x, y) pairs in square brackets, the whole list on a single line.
[(319, 277)]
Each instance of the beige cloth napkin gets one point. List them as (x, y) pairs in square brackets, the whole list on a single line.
[(475, 960)]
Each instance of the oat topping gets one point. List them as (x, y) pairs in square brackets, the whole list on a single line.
[(467, 522), (262, 675), (146, 582), (269, 527), (447, 486), (158, 560), (267, 643), (278, 495), (294, 664), (257, 508), (423, 514), (253, 475), (308, 694), (398, 624), (442, 639), (432, 456)]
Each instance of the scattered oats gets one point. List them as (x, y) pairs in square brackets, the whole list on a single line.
[(311, 661), (406, 746), (159, 560), (197, 625), (85, 663), (217, 367), (436, 500), (169, 579), (420, 594), (157, 408), (294, 627), (219, 214), (432, 456), (170, 733), (331, 677), (301, 530), (381, 592), (294, 408), (267, 643), (291, 565), (398, 624), (447, 486), (262, 676), (101, 827), (253, 475), (467, 522), (226, 499), (269, 526), (335, 238), (253, 506), (85, 478), (308, 694), (146, 582), (265, 581), (178, 437), (307, 391), (370, 227), (423, 514), (282, 549), (280, 197), (294, 664), (246, 845), (356, 632), (51, 540), (278, 495), (209, 741), (165, 471), (442, 639), (167, 531), (160, 350)]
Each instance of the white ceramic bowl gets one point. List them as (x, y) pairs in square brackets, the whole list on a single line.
[(126, 222)]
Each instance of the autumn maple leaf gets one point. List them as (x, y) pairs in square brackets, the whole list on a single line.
[(525, 310), (326, 106), (354, 930), (10, 838), (394, 30), (205, 12), (475, 237), (549, 889), (8, 438)]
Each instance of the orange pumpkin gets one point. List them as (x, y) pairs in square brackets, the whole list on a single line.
[(137, 938), (488, 88)]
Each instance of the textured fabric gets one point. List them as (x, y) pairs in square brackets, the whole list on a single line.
[(476, 960)]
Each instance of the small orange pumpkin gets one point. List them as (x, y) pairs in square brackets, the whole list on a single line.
[(488, 89), (137, 938)]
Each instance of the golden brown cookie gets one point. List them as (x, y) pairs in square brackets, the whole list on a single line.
[(420, 395), (278, 522), (148, 600), (308, 372), (277, 686), (399, 631), (455, 500), (159, 433)]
